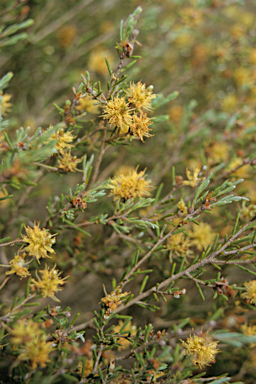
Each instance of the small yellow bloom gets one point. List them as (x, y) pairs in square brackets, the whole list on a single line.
[(140, 126), (250, 291), (5, 105), (67, 162), (63, 140), (229, 103), (97, 60), (202, 235), (182, 207), (49, 283), (129, 329), (140, 96), (113, 300), (17, 266), (86, 103), (179, 245), (24, 331), (118, 113), (217, 152), (129, 186), (203, 349), (40, 242), (67, 35), (87, 369), (238, 168), (37, 351), (249, 330), (193, 178), (247, 212)]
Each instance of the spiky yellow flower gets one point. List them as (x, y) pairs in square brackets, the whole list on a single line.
[(18, 266), (113, 300), (249, 330), (182, 207), (37, 351), (24, 331), (129, 330), (140, 96), (5, 105), (179, 245), (118, 113), (217, 152), (202, 235), (247, 212), (129, 186), (250, 291), (193, 177), (67, 162), (40, 242), (49, 283), (86, 103), (63, 140), (203, 349), (140, 126)]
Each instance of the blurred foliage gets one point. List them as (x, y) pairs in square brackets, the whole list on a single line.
[(128, 161)]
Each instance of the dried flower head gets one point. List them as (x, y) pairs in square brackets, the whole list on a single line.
[(193, 178), (63, 140), (40, 242), (203, 349), (140, 126), (250, 291), (129, 186), (202, 235), (130, 330), (18, 266), (49, 283), (67, 162), (118, 113), (113, 300), (140, 96), (5, 105)]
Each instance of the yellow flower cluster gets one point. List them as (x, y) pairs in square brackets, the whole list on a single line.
[(193, 177), (127, 113), (179, 245), (113, 300), (63, 140), (250, 291), (130, 185), (33, 343), (40, 242), (49, 283), (203, 349), (68, 163), (18, 266), (202, 235), (5, 104), (129, 329)]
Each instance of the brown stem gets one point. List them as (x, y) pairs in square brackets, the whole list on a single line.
[(98, 359), (11, 242), (98, 163)]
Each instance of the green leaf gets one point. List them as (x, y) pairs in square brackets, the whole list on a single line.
[(5, 80)]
